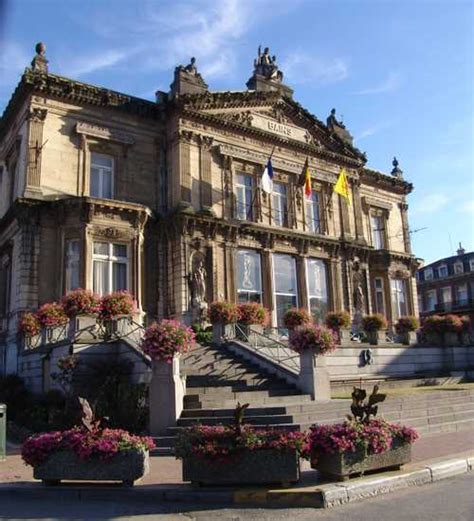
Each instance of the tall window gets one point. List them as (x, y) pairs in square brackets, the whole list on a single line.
[(102, 176), (378, 231), (442, 271), (399, 297), (284, 283), (428, 274), (109, 267), (431, 300), (249, 276), (379, 295), (317, 289), (461, 294), (72, 264), (446, 295), (313, 219), (279, 205), (458, 268), (244, 195)]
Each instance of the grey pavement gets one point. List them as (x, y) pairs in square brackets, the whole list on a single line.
[(447, 500)]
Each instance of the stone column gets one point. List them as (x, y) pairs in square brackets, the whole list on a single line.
[(303, 301), (406, 230), (184, 165), (335, 284), (314, 377), (166, 395), (359, 226), (267, 284), (36, 119), (344, 216), (205, 172)]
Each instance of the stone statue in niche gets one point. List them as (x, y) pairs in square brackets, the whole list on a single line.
[(358, 295), (198, 285)]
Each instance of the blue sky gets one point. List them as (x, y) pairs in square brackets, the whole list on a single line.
[(400, 73)]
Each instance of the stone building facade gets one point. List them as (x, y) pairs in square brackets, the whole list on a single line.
[(447, 285), (102, 190)]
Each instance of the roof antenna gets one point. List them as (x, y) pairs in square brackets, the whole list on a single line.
[(451, 244)]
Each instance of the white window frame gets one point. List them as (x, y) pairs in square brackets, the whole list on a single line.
[(450, 294), (313, 225), (242, 188), (439, 271), (458, 268), (465, 291), (245, 290), (310, 296), (70, 259), (428, 274), (274, 311), (280, 205), (471, 264), (378, 234), (102, 169), (111, 259), (395, 292), (435, 300), (380, 291)]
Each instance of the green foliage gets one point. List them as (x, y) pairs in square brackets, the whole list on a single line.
[(374, 322), (203, 334), (363, 408), (338, 319)]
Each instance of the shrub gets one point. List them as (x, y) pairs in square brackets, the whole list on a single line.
[(103, 444), (406, 324), (203, 334), (252, 313), (29, 325), (451, 324), (52, 314), (433, 324), (115, 304), (312, 337), (224, 312), (163, 340), (81, 302), (295, 317), (338, 319), (372, 323)]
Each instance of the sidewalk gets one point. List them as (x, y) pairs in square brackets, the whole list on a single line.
[(167, 470)]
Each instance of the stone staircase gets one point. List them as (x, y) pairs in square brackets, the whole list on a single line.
[(218, 379)]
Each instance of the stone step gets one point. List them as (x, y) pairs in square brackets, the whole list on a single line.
[(195, 404), (229, 420)]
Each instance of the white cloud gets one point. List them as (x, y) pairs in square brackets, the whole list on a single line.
[(390, 84), (300, 67), (430, 203), (86, 64), (371, 130), (467, 206)]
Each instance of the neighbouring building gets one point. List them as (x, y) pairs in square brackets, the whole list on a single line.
[(102, 190), (447, 285)]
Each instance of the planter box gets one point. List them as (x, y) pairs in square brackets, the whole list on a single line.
[(376, 337), (344, 465), (126, 467), (221, 332), (248, 468), (451, 339), (344, 335), (83, 328), (249, 333), (408, 338)]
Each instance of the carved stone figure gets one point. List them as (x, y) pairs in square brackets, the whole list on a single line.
[(187, 80), (332, 122), (191, 67), (358, 288), (198, 283), (40, 63), (266, 65)]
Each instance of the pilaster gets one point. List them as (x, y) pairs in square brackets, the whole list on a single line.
[(36, 118)]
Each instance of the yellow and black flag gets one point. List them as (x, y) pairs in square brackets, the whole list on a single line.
[(342, 186)]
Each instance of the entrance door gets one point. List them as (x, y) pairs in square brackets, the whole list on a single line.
[(285, 286)]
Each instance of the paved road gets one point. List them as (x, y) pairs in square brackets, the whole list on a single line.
[(448, 500)]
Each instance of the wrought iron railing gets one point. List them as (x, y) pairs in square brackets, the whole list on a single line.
[(268, 347)]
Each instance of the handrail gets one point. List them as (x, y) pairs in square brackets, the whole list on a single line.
[(273, 350)]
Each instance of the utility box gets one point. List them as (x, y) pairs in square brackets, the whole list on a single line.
[(3, 432)]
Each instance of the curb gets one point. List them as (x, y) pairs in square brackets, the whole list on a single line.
[(319, 496)]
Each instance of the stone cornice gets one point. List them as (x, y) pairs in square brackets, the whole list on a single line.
[(313, 150), (374, 177), (76, 92)]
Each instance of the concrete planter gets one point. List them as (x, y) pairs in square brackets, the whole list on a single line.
[(451, 339), (249, 332), (344, 335), (434, 339), (83, 328), (126, 466), (343, 465), (407, 338), (256, 467), (376, 337), (52, 335), (314, 376), (221, 331)]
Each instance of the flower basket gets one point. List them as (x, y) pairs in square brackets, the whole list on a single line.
[(119, 303), (339, 322), (295, 317), (81, 302), (52, 315), (163, 340), (405, 328), (29, 325), (126, 467), (251, 467), (346, 464), (223, 316)]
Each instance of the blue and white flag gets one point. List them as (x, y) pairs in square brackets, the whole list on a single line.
[(267, 178)]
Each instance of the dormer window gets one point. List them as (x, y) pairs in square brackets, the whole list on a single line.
[(458, 268), (442, 271), (428, 274), (471, 264)]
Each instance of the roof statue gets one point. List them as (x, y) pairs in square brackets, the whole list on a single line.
[(39, 62), (396, 172), (266, 65), (338, 128), (187, 80)]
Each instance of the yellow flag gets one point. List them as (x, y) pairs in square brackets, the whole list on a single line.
[(342, 186)]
